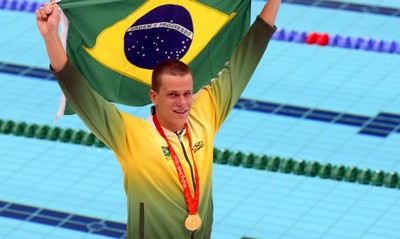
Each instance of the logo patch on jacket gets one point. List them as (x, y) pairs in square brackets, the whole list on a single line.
[(166, 152), (198, 146)]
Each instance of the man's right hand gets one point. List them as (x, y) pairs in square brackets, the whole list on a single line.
[(48, 19)]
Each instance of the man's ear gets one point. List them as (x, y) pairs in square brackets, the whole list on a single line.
[(153, 97)]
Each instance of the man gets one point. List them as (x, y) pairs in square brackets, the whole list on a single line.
[(166, 159)]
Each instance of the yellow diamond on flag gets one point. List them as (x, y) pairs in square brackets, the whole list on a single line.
[(158, 30)]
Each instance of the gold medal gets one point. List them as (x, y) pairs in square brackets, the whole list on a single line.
[(193, 222)]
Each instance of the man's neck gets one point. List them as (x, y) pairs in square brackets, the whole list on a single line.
[(170, 126)]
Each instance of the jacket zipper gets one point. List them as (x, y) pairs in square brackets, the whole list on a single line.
[(141, 221), (187, 159)]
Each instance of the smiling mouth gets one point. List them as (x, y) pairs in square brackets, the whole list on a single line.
[(180, 112)]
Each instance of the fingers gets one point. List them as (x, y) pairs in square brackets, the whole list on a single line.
[(44, 11), (48, 8), (38, 15)]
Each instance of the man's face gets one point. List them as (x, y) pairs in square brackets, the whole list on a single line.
[(173, 101)]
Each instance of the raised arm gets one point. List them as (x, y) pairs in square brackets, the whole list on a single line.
[(226, 89), (270, 11), (99, 115), (47, 20)]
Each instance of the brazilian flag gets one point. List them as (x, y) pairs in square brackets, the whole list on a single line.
[(116, 43)]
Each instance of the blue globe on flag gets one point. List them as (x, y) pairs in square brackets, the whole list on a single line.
[(166, 32)]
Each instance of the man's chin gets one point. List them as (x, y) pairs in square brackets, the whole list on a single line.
[(181, 118)]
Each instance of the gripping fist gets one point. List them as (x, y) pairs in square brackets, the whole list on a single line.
[(48, 18)]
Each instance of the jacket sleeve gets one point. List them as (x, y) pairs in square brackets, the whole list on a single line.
[(99, 115), (226, 89)]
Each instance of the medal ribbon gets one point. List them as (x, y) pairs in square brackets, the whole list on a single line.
[(192, 203)]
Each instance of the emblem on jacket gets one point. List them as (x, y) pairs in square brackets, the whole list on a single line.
[(198, 146), (166, 152)]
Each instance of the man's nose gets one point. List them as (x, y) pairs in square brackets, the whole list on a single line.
[(181, 100)]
